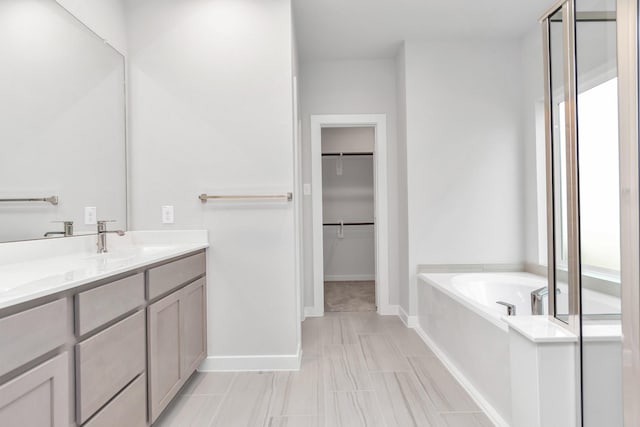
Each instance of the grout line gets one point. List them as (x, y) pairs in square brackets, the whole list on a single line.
[(224, 399)]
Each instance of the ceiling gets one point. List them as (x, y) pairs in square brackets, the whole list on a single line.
[(342, 29)]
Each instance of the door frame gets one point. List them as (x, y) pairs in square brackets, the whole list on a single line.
[(627, 38), (381, 206)]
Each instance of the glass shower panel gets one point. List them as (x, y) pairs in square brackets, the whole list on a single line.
[(559, 168), (599, 194), (598, 156)]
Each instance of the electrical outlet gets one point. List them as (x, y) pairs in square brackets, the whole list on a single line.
[(167, 215), (90, 215)]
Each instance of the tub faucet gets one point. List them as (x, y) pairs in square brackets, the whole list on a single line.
[(102, 236), (511, 308), (537, 308)]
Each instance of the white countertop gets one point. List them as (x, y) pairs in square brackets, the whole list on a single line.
[(539, 329), (38, 268)]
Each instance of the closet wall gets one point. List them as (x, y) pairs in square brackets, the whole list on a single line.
[(348, 196)]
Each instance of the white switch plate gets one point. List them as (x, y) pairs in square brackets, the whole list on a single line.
[(306, 189), (167, 215), (90, 215)]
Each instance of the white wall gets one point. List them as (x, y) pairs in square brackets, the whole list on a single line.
[(211, 108), (106, 18), (464, 154), (533, 140), (348, 140), (403, 214), (351, 87)]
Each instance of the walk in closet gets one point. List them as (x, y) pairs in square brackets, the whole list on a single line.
[(348, 198)]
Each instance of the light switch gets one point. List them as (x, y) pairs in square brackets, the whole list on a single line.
[(306, 189), (167, 215), (90, 215)]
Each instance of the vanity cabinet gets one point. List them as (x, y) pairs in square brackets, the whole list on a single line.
[(112, 353), (129, 408), (107, 362), (39, 397), (177, 343), (31, 333)]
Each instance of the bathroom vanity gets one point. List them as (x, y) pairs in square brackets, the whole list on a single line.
[(103, 340)]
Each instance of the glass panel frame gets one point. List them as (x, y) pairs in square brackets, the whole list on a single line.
[(569, 318)]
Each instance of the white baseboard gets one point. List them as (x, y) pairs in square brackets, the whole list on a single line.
[(349, 277), (286, 362), (312, 312), (409, 321), (488, 409), (388, 310)]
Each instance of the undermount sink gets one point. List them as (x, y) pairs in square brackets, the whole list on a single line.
[(125, 253)]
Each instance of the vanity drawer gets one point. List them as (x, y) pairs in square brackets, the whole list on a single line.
[(98, 306), (107, 362), (129, 408), (31, 333), (166, 277)]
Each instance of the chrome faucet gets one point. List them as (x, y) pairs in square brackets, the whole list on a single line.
[(537, 308), (102, 236), (68, 230), (511, 308)]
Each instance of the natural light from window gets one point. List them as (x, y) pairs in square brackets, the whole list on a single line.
[(599, 180)]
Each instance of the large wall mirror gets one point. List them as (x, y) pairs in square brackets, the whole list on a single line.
[(62, 123)]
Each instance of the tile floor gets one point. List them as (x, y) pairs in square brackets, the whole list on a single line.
[(350, 296), (358, 369)]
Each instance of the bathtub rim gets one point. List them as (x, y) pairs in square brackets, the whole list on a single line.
[(434, 279), (539, 329)]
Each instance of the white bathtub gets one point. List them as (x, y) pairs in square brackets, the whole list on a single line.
[(458, 316), (484, 289)]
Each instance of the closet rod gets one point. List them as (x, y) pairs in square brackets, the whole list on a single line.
[(338, 224), (345, 154)]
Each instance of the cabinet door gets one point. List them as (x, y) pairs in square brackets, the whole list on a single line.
[(39, 397), (193, 325), (165, 371)]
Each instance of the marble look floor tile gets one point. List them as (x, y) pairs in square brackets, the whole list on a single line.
[(341, 331), (301, 392), (409, 343), (382, 376), (247, 402), (344, 368), (296, 421), (313, 336), (444, 391), (190, 411), (371, 323), (466, 419), (403, 402), (381, 354), (353, 409), (208, 383)]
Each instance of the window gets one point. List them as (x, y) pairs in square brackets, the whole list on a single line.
[(599, 180)]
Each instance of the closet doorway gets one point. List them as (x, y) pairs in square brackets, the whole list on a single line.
[(348, 202), (350, 237)]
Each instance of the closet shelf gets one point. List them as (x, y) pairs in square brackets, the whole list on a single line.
[(345, 154), (338, 224)]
